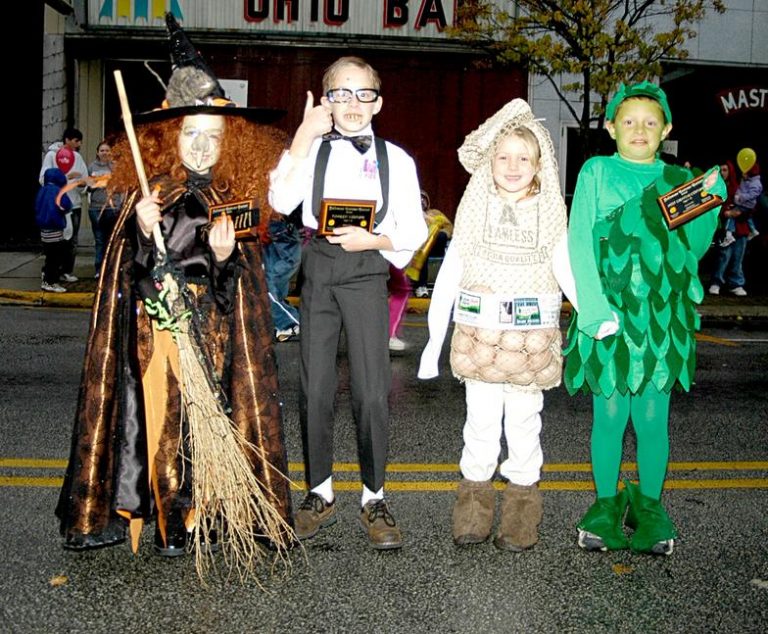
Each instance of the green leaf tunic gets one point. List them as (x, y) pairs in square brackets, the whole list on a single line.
[(627, 262)]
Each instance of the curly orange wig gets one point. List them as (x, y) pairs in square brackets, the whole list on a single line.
[(249, 152)]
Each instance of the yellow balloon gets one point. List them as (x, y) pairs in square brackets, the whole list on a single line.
[(745, 159)]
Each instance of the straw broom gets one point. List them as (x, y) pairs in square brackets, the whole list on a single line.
[(225, 489)]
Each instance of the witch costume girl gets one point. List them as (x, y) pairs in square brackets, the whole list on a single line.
[(136, 453)]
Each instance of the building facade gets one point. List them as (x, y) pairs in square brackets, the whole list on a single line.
[(271, 52), (718, 95), (435, 88)]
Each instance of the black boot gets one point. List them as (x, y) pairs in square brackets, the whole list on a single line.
[(175, 543)]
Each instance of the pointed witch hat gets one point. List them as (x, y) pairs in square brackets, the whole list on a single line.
[(193, 87)]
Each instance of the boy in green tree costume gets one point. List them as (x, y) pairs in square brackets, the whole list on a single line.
[(632, 337)]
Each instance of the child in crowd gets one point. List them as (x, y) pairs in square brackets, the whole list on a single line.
[(745, 201), (64, 154), (632, 336), (51, 216), (399, 287), (345, 283), (497, 276), (281, 252), (440, 232), (102, 208)]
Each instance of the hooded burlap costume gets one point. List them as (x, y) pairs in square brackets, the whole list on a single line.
[(506, 250), (497, 276)]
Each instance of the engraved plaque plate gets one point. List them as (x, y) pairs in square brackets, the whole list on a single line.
[(687, 202), (337, 212), (244, 215)]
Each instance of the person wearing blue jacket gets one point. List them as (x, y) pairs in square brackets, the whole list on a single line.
[(51, 211)]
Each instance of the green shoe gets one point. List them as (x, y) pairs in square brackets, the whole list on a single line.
[(654, 531), (601, 527)]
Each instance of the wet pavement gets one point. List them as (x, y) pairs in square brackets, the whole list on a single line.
[(717, 493)]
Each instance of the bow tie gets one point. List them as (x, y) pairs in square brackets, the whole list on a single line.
[(361, 143)]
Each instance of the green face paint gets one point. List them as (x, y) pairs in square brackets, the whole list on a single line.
[(638, 129)]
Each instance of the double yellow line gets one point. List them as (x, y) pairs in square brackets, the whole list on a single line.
[(401, 472)]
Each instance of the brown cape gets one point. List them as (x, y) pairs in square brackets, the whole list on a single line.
[(108, 470)]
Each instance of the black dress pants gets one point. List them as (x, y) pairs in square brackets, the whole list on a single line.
[(346, 290)]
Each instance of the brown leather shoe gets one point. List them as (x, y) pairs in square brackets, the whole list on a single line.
[(313, 514), (380, 525)]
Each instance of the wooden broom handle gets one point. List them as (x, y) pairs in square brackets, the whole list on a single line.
[(136, 153)]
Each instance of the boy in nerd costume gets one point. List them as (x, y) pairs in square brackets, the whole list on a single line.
[(334, 155)]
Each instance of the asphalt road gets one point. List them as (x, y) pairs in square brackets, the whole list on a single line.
[(716, 580)]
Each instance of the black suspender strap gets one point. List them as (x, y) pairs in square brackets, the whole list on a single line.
[(321, 165), (383, 159)]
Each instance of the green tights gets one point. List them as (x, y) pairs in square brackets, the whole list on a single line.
[(650, 419)]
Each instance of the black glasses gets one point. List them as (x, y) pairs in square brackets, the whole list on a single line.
[(344, 95)]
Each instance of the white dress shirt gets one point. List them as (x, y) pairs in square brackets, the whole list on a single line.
[(352, 175)]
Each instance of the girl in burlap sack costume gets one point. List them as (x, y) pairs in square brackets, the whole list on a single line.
[(497, 276)]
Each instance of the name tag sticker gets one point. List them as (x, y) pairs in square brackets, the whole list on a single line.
[(468, 307), (525, 311), (507, 312)]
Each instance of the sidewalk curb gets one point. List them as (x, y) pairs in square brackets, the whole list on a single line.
[(45, 300), (41, 299), (712, 317)]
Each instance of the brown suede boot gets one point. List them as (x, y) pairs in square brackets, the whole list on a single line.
[(521, 512), (473, 512)]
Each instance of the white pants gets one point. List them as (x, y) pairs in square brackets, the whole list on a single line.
[(487, 405)]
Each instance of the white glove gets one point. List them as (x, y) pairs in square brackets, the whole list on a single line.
[(608, 328), (439, 316)]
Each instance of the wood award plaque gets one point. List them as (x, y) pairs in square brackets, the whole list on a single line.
[(686, 202), (338, 212), (244, 215)]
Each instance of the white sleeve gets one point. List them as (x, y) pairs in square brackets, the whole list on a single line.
[(290, 182), (80, 167), (561, 268), (440, 308), (48, 162), (410, 229), (404, 223), (608, 328)]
